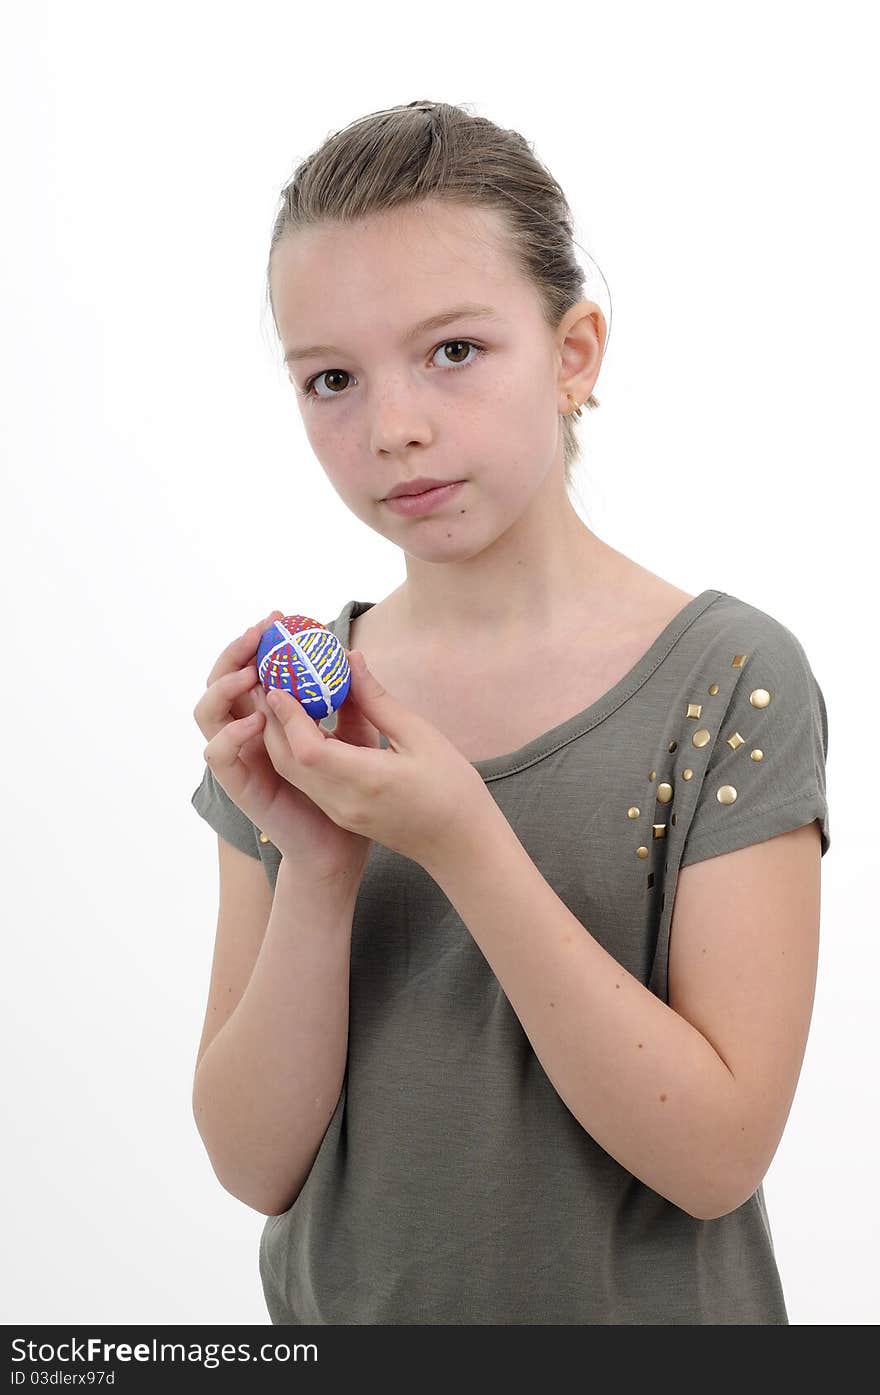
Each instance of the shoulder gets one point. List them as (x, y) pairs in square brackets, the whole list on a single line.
[(729, 617), (732, 634), (345, 622)]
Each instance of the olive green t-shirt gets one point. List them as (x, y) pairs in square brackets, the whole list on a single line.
[(453, 1185)]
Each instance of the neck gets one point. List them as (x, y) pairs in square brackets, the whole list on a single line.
[(500, 596)]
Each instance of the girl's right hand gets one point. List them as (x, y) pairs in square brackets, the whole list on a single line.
[(232, 714)]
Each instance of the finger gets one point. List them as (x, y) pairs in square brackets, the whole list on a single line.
[(274, 738), (304, 740), (223, 750), (300, 731), (352, 724), (258, 697), (353, 727), (242, 648), (215, 706)]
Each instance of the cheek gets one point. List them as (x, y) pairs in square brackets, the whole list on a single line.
[(344, 469), (329, 443)]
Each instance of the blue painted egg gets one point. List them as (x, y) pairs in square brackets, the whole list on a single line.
[(304, 658)]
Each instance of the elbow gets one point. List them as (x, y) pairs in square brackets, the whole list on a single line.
[(732, 1173), (726, 1195), (263, 1205), (263, 1210), (260, 1203)]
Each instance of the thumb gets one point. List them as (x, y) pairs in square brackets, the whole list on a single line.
[(385, 712)]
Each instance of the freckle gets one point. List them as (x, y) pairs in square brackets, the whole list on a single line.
[(663, 1099), (617, 985), (552, 1004), (640, 1046)]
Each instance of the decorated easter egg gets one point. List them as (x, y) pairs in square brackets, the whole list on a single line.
[(306, 659)]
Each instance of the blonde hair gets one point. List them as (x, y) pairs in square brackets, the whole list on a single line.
[(434, 150)]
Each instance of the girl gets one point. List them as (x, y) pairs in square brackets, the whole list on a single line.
[(516, 954)]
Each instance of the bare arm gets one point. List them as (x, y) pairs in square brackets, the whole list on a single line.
[(644, 1078), (267, 1085)]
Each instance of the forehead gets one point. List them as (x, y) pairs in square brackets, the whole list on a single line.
[(402, 263)]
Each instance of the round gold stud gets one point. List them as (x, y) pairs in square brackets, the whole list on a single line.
[(632, 813), (652, 775), (757, 754), (759, 697), (726, 794), (642, 852), (264, 837), (664, 792), (713, 688), (687, 774), (701, 737), (673, 746)]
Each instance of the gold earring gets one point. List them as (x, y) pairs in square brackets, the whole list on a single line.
[(576, 412)]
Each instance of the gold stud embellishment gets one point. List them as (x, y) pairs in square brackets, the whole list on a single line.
[(757, 754), (759, 698), (713, 688), (652, 776), (687, 774), (659, 830), (264, 837), (726, 794), (633, 813), (701, 737), (642, 852), (694, 709), (673, 746), (738, 660), (664, 792), (735, 740)]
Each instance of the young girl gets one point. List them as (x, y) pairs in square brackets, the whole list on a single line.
[(516, 953)]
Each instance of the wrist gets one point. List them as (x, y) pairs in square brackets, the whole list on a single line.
[(308, 878), (462, 846)]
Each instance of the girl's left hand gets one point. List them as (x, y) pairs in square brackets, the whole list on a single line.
[(414, 797)]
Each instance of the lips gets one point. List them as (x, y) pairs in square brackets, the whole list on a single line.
[(417, 486), (426, 501)]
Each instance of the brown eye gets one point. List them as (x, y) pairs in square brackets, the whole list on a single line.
[(337, 389), (328, 373), (456, 344)]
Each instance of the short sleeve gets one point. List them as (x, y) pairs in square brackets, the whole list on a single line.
[(766, 771), (213, 803)]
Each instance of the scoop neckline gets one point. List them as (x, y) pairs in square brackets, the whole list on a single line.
[(598, 711)]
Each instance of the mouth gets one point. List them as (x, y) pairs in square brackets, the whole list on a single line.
[(422, 485), (425, 501)]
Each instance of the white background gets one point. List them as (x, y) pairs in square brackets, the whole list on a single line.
[(719, 165)]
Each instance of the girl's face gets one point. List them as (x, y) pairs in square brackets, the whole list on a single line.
[(475, 399)]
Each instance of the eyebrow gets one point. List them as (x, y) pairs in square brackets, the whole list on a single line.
[(445, 317)]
